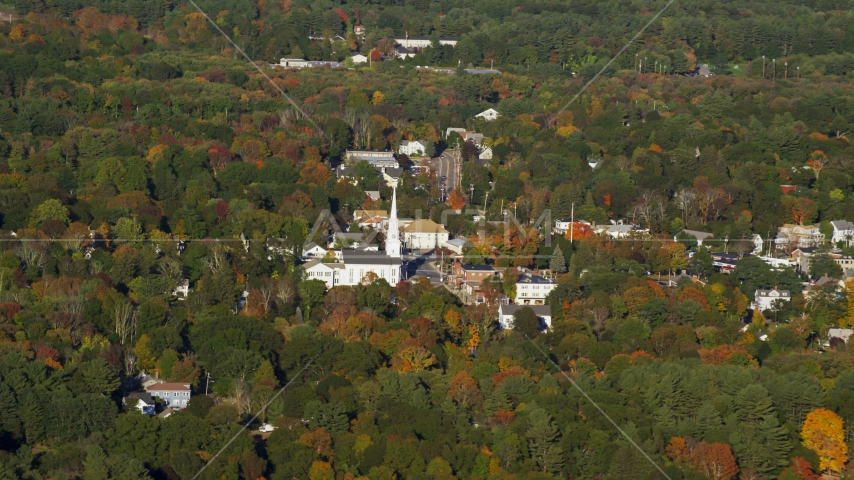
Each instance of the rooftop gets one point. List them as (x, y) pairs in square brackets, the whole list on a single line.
[(535, 279), (540, 310), (424, 226), (169, 386), (478, 268), (364, 257), (770, 293), (698, 234), (143, 396)]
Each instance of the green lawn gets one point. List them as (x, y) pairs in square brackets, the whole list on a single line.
[(738, 69)]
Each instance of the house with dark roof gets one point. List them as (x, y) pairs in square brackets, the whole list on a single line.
[(391, 176), (402, 52), (141, 401), (313, 250), (533, 289)]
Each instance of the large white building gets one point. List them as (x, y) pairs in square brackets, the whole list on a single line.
[(377, 158), (357, 265), (533, 289), (422, 42), (424, 235), (505, 315), (764, 299), (414, 148)]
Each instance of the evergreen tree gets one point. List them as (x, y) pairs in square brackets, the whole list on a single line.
[(542, 441), (330, 416), (95, 465), (557, 264)]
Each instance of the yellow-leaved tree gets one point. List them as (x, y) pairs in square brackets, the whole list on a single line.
[(849, 319), (824, 434)]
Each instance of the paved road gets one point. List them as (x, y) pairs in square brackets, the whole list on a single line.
[(424, 266), (443, 165)]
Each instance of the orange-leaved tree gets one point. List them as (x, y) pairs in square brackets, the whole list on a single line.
[(824, 434), (456, 200), (464, 389), (678, 449), (802, 210), (714, 460), (800, 468)]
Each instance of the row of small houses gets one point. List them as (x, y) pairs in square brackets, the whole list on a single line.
[(789, 236)]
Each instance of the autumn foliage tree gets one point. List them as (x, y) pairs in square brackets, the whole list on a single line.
[(677, 449), (456, 200), (824, 434), (464, 389), (800, 469), (714, 460), (802, 210), (319, 441)]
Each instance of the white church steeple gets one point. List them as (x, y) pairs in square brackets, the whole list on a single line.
[(392, 242)]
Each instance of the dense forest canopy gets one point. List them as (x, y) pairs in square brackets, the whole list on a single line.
[(139, 150)]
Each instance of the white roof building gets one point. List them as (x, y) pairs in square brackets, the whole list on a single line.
[(377, 158), (455, 245), (620, 230), (698, 235), (488, 114), (562, 226), (841, 333), (358, 58), (422, 42)]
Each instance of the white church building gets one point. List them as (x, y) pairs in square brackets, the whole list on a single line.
[(356, 264)]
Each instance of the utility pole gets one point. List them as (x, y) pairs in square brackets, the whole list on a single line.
[(763, 66), (471, 193), (207, 382), (774, 73), (786, 75), (799, 72)]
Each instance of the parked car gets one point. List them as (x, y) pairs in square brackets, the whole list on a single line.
[(265, 428)]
